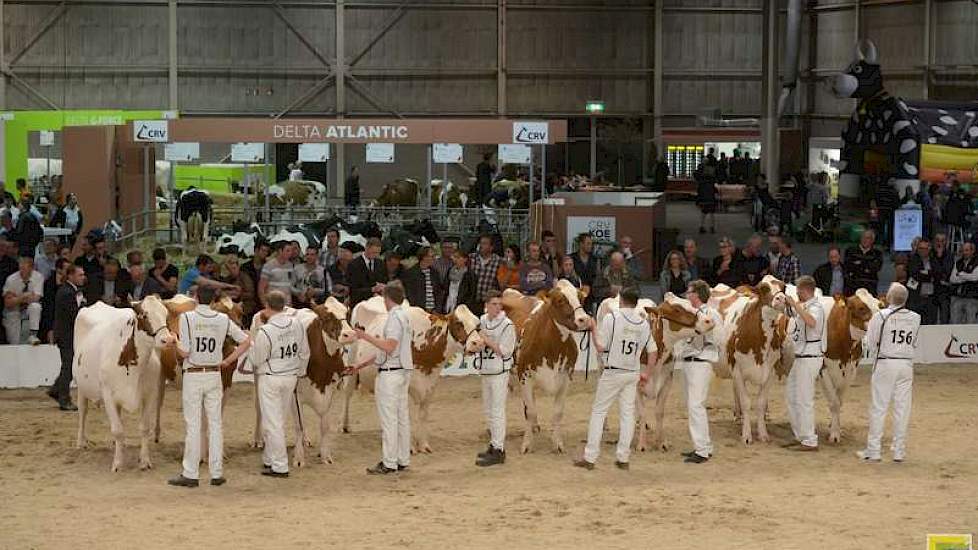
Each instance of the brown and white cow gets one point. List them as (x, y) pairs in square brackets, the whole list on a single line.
[(117, 362), (754, 341), (672, 321), (518, 307), (437, 339), (547, 354)]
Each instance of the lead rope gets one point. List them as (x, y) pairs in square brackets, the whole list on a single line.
[(586, 349)]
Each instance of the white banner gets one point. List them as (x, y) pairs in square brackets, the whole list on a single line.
[(446, 153), (955, 344), (531, 132), (514, 154), (380, 152), (181, 151), (602, 228), (153, 131), (46, 138), (247, 152), (908, 224), (313, 152)]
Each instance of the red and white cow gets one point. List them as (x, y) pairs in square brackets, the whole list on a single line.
[(437, 339), (754, 340), (672, 321), (547, 354), (117, 362)]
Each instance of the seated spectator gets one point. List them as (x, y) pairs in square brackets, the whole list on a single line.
[(508, 273), (789, 266), (69, 217), (922, 274), (674, 277), (548, 252), (631, 257), (310, 283), (22, 293), (863, 264), (567, 272), (830, 277), (613, 278), (165, 274), (534, 274), (423, 286), (698, 267), (51, 285), (726, 268), (338, 272), (392, 260), (141, 285), (45, 258), (753, 263), (201, 274), (243, 288), (108, 286), (462, 284), (964, 287)]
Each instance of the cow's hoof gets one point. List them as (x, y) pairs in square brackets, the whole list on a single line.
[(426, 448), (307, 442), (536, 429), (764, 438), (525, 449), (116, 467), (835, 438), (345, 429), (84, 444), (664, 447), (641, 447), (299, 462), (327, 459), (747, 439), (145, 465)]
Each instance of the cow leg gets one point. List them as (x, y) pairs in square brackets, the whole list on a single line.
[(662, 388), (349, 384), (149, 419), (421, 426), (738, 410), (161, 392), (740, 389), (530, 412), (640, 404), (325, 453), (560, 398), (82, 441), (762, 399), (833, 396), (115, 425)]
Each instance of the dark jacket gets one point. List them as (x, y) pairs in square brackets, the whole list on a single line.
[(96, 287), (47, 305), (351, 195), (341, 286), (701, 268), (823, 277), (28, 234), (65, 312), (150, 286), (414, 288), (467, 289), (945, 265), (91, 266), (917, 276), (587, 271), (752, 269), (732, 277), (361, 280), (862, 269)]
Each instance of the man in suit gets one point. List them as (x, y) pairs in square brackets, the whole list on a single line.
[(422, 284), (66, 304), (108, 286), (367, 274)]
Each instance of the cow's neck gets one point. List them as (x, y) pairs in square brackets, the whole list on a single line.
[(435, 348)]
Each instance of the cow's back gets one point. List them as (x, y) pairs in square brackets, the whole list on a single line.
[(102, 336)]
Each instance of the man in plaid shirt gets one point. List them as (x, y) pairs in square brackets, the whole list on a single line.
[(484, 264), (789, 266)]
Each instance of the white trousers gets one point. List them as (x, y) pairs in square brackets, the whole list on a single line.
[(613, 385), (799, 393), (275, 396), (892, 381), (698, 377), (391, 393), (202, 390), (13, 321), (494, 390)]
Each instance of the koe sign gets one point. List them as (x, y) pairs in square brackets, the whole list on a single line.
[(154, 131), (531, 132), (602, 229)]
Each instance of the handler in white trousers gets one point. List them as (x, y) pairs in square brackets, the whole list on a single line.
[(892, 334), (202, 335), (280, 354), (799, 389), (624, 334), (697, 356), (494, 363), (394, 366)]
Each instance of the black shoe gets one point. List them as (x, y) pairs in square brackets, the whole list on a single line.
[(401, 468), (688, 454), (495, 456), (584, 464), (265, 467), (485, 453), (53, 393), (181, 481), (380, 469), (67, 405), (621, 465), (218, 481), (271, 473), (695, 459)]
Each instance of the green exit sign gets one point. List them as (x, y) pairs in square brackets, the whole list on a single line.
[(594, 106)]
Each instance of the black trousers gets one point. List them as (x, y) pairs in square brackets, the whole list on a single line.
[(62, 385)]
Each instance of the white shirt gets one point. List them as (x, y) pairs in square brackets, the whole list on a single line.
[(16, 284), (892, 333), (397, 327), (202, 334), (625, 334), (501, 331), (808, 340), (281, 347)]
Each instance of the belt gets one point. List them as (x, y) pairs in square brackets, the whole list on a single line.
[(390, 369), (694, 360), (213, 368), (621, 369), (894, 359), (808, 357)]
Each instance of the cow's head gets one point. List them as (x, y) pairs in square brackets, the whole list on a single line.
[(568, 304), (230, 308), (862, 78), (463, 326), (682, 315), (151, 318), (776, 284), (770, 296), (861, 307), (332, 315)]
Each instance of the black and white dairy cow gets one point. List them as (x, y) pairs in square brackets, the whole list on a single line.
[(193, 215), (408, 239), (241, 240)]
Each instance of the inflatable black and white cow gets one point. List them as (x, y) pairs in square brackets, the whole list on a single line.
[(193, 215), (891, 132), (241, 241)]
